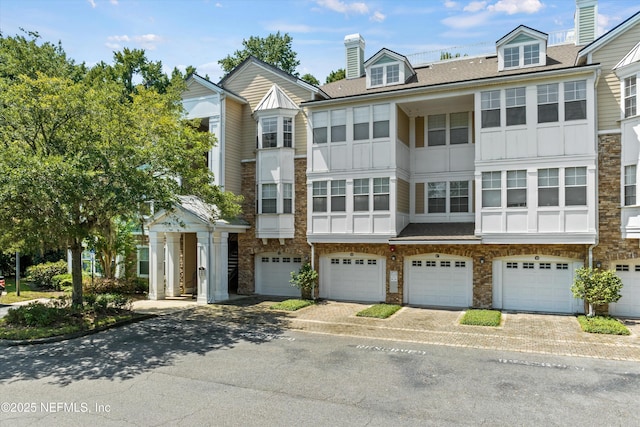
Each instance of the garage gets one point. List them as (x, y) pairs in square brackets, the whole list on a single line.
[(629, 304), (352, 277), (438, 280), (535, 284), (273, 272)]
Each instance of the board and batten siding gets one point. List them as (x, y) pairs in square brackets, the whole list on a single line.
[(609, 101), (233, 148), (403, 196)]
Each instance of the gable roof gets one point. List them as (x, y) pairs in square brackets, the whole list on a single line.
[(197, 79), (607, 37), (632, 57), (520, 30), (276, 99)]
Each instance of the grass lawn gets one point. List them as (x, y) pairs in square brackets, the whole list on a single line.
[(481, 318), (26, 292), (602, 325), (292, 304), (379, 311)]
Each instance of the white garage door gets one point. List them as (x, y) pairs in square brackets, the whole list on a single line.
[(629, 304), (273, 273), (439, 281), (352, 278), (538, 286)]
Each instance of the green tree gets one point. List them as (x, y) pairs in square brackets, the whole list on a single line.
[(275, 49), (336, 75), (596, 287), (305, 279), (310, 79)]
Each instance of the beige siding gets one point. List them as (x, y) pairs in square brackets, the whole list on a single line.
[(609, 85), (403, 196), (419, 197), (233, 140), (403, 127), (196, 90), (419, 132)]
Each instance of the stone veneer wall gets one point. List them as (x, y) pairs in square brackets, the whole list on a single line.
[(249, 245)]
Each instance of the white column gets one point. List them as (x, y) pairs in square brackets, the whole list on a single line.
[(156, 265), (220, 271), (173, 264), (203, 264)]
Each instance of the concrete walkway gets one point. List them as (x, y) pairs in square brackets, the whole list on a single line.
[(520, 332)]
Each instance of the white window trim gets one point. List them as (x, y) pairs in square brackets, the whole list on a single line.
[(280, 129), (542, 55), (385, 69), (138, 248), (279, 198)]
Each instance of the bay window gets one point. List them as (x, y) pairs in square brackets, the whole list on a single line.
[(630, 185), (269, 198), (630, 100)]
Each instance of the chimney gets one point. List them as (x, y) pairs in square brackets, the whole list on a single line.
[(586, 21), (354, 49)]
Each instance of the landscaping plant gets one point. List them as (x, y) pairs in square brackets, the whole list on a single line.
[(305, 279), (596, 287)]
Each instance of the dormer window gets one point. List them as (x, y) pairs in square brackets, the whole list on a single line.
[(387, 68), (523, 47), (385, 75), (531, 54)]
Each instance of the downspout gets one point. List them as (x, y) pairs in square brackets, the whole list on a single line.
[(597, 199), (313, 263)]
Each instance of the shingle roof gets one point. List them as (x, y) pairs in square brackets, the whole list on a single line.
[(465, 69), (437, 231)]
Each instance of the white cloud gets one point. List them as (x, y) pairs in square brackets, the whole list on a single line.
[(449, 4), (114, 2), (147, 41), (290, 28), (114, 46), (462, 22), (377, 17), (342, 7), (511, 7), (92, 3), (123, 38), (218, 4), (475, 6)]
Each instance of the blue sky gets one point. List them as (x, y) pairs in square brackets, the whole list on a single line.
[(200, 32)]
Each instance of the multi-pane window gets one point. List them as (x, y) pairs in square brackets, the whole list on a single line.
[(630, 185), (548, 187), (338, 195), (320, 127), (548, 103), (436, 134), (516, 188), (381, 121), (459, 196), (287, 131), (575, 100), (511, 57), (143, 261), (491, 184), (437, 197), (393, 73), (515, 101), (287, 198), (377, 76), (269, 132), (490, 106), (531, 54), (459, 128), (338, 125), (361, 194), (320, 196), (630, 96), (380, 194), (269, 198), (575, 183), (361, 123)]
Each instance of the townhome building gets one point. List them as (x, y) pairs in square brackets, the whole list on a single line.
[(478, 181)]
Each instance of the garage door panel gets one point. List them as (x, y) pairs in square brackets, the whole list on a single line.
[(629, 304), (273, 273), (357, 278), (443, 282)]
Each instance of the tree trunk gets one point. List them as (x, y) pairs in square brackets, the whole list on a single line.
[(76, 272)]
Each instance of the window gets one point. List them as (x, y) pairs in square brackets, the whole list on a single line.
[(575, 183), (346, 261), (531, 54), (359, 262), (287, 198), (429, 263), (575, 100), (372, 262), (361, 194), (491, 184), (416, 263), (545, 266), (143, 261), (270, 132), (459, 196), (380, 194), (512, 265), (490, 106), (269, 198), (286, 259), (516, 189), (338, 196), (630, 96), (527, 266), (436, 134), (622, 267), (338, 125), (381, 121), (445, 263), (320, 127), (548, 103), (630, 185), (393, 73), (381, 75), (287, 132), (437, 197), (511, 57), (516, 109), (320, 196), (361, 123), (377, 76), (460, 264), (548, 187), (459, 131)]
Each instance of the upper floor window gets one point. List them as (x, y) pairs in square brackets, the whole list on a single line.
[(459, 128), (377, 76), (630, 185), (531, 54), (287, 198), (491, 189), (361, 194), (517, 189), (516, 106), (575, 100), (381, 121), (575, 183), (276, 132), (320, 123), (269, 198), (490, 106), (320, 196), (548, 185), (511, 57), (436, 197), (269, 132), (384, 74), (338, 125), (630, 100), (287, 132), (338, 196), (380, 194), (361, 123), (459, 196), (548, 103), (456, 128), (437, 128)]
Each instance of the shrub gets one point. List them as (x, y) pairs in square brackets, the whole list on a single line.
[(62, 282), (42, 274), (596, 287), (117, 286), (305, 279), (36, 314), (104, 303), (602, 325)]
